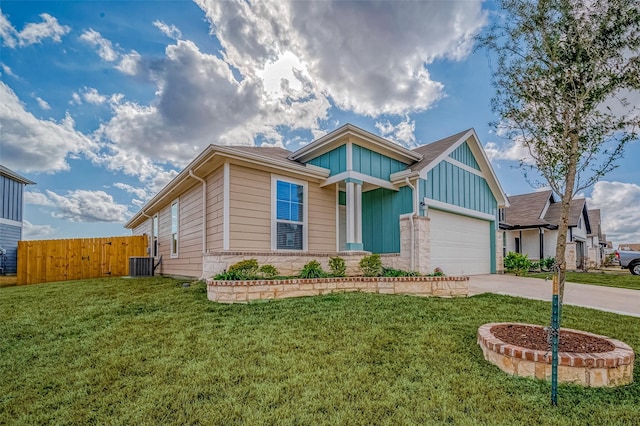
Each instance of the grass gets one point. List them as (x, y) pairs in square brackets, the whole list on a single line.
[(620, 280), (149, 351)]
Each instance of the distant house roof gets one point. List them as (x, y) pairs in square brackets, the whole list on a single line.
[(13, 175), (594, 219), (627, 246), (540, 210), (526, 210)]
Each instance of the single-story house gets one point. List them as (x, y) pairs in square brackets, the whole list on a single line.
[(596, 240), (530, 226), (11, 223), (349, 192)]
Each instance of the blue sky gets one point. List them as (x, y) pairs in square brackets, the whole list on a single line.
[(103, 102)]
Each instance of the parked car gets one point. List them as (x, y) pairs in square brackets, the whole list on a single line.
[(629, 259)]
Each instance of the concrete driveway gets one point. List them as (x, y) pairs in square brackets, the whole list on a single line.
[(619, 300)]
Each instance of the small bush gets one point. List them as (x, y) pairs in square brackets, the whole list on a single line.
[(269, 271), (226, 276), (517, 263), (390, 272), (337, 266), (312, 269), (371, 266), (245, 269), (547, 263), (438, 272)]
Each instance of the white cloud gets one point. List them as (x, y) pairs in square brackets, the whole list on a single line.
[(92, 96), (105, 48), (37, 198), (32, 33), (141, 193), (170, 31), (127, 63), (403, 132), (84, 206), (37, 232), (7, 70), (35, 145), (618, 203), (510, 150), (369, 57), (42, 103)]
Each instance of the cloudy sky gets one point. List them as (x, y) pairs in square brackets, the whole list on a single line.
[(101, 103)]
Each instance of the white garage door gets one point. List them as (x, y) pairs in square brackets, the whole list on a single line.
[(460, 245)]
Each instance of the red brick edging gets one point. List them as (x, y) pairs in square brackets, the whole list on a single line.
[(590, 369)]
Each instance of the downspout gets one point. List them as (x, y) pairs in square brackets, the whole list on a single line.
[(414, 194), (204, 210)]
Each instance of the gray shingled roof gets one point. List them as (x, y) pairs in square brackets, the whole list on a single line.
[(275, 153), (525, 210), (432, 150), (553, 213), (594, 219)]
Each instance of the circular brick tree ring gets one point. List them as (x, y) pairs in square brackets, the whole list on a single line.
[(612, 367)]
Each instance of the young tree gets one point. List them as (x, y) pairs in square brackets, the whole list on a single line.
[(563, 70)]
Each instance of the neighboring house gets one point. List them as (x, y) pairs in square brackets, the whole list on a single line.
[(11, 205), (596, 240), (348, 192), (530, 226)]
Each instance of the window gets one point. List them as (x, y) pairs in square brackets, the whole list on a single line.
[(501, 215), (517, 245), (174, 229), (289, 215), (154, 236)]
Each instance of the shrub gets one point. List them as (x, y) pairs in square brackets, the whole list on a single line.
[(337, 266), (312, 269), (438, 272), (390, 272), (371, 265), (269, 271), (517, 263), (226, 276), (548, 263), (245, 269)]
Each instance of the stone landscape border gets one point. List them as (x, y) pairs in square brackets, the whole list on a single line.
[(245, 291), (613, 368)]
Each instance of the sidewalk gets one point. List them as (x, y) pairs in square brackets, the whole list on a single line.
[(618, 300)]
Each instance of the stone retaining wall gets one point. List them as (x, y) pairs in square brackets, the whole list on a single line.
[(245, 291), (611, 368)]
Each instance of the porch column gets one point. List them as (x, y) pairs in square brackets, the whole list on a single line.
[(354, 214)]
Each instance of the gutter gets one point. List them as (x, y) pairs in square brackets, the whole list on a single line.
[(204, 210)]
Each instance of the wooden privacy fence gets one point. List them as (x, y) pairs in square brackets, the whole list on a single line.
[(44, 261)]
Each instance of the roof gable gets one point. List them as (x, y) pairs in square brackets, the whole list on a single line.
[(350, 133), (438, 151), (527, 210)]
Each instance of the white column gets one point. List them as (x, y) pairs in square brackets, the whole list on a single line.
[(351, 214), (358, 213)]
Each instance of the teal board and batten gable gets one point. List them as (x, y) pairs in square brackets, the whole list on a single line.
[(381, 210), (334, 160), (374, 164), (464, 155), (454, 185)]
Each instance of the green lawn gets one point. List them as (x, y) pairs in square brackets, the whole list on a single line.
[(621, 280), (148, 351)]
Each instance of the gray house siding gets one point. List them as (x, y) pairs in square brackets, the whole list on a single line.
[(9, 237), (11, 199)]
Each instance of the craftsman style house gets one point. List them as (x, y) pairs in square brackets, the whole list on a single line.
[(349, 192), (530, 226)]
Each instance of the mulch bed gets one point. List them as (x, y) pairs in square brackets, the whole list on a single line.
[(531, 337)]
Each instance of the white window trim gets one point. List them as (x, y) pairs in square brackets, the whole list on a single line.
[(155, 235), (305, 212), (177, 203)]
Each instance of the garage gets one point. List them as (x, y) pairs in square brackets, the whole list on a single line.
[(460, 245)]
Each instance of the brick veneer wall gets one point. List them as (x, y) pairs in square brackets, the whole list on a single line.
[(611, 368), (245, 291)]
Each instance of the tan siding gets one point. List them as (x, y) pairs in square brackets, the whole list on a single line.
[(215, 209), (249, 209), (322, 218), (144, 229)]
